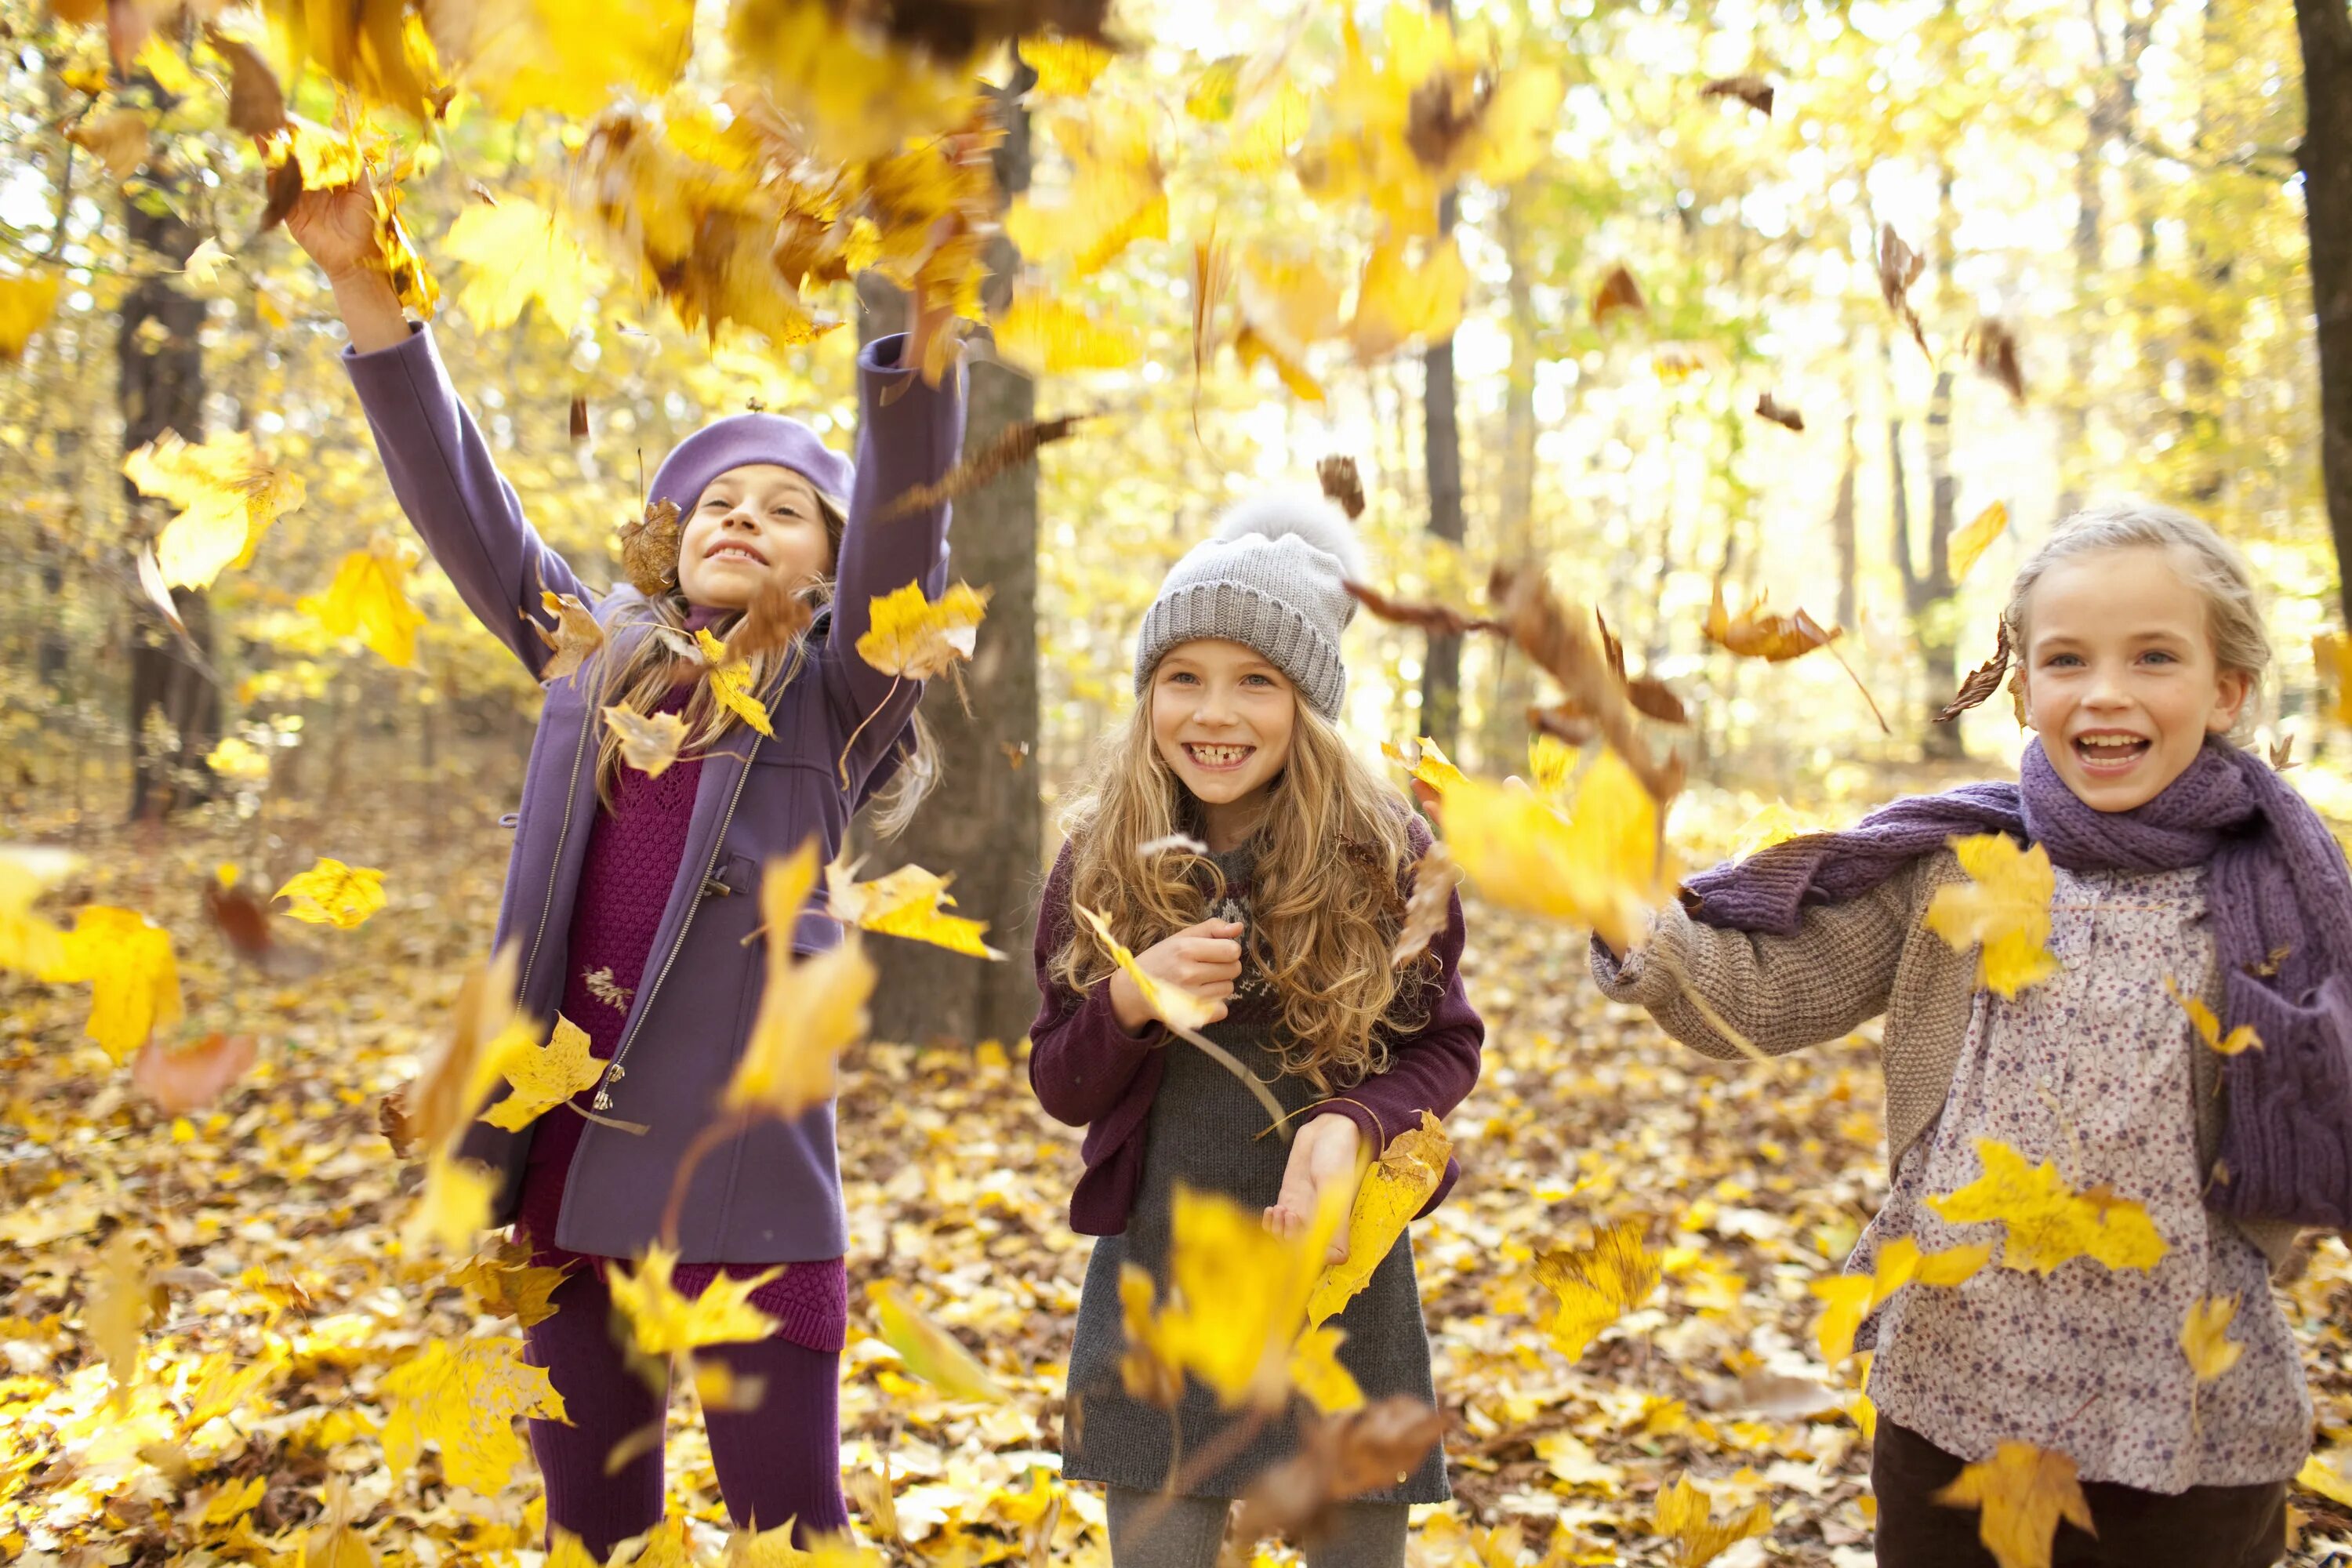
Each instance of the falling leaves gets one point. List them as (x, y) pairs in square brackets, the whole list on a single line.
[(1899, 267), (134, 981), (1399, 299), (575, 639), (1851, 1298), (184, 1075), (1237, 1297), (1340, 1456), (729, 680), (2003, 908), (1116, 195), (1593, 681), (928, 1350), (516, 256), (1594, 1286), (811, 1009), (1982, 681), (366, 601), (2046, 1221), (1618, 294), (119, 137), (1992, 346), (1684, 1515), (543, 1077), (1426, 761), (464, 1398), (2209, 1027), (29, 943), (27, 302), (1393, 1189), (1011, 447), (331, 893), (1752, 91), (649, 548), (662, 1322), (115, 1313), (2023, 1492), (915, 637), (1969, 543), (229, 495), (1770, 407), (649, 741), (1603, 863), (2204, 1337), (907, 902), (1053, 337)]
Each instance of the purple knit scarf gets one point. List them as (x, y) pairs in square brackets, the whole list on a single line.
[(2281, 908)]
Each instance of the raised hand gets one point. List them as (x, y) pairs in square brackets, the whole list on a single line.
[(338, 228), (1205, 958)]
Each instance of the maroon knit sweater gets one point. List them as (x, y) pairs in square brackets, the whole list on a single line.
[(633, 854)]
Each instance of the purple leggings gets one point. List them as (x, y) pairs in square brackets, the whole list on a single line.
[(780, 1461)]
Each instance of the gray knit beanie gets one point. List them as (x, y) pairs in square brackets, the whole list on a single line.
[(1269, 578)]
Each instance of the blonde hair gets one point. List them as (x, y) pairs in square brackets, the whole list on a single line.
[(1325, 900), (2206, 561)]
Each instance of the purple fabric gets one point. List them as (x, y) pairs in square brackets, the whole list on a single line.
[(774, 1195), (779, 1460), (730, 443), (2280, 899), (1088, 1072)]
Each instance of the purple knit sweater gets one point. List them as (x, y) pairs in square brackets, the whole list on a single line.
[(633, 854)]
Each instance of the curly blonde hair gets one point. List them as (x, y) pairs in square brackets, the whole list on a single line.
[(1326, 897)]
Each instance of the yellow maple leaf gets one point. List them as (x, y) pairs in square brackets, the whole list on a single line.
[(2322, 1475), (1066, 67), (1263, 140), (232, 1500), (2205, 1337), (731, 682), (1851, 1298), (225, 1379), (366, 600), (1171, 1004), (121, 1299), (134, 980), (453, 1207), (2023, 1491), (235, 757), (1053, 337), (1775, 824), (649, 741), (2209, 1027), (929, 1350), (916, 637), (576, 635), (1238, 1300), (662, 1322), (543, 1076), (331, 893), (1596, 1285), (562, 56), (1969, 543), (503, 1282), (907, 902), (1684, 1515), (1393, 1189), (2004, 906), (517, 253), (229, 495), (1316, 1372), (1398, 301), (1426, 761), (465, 1398), (1116, 195), (2046, 1221), (27, 302), (29, 943), (1602, 864), (859, 94), (811, 1009), (1288, 298)]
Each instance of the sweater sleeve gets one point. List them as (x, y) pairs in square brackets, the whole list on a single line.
[(1781, 994), (908, 434), (1080, 1061), (449, 484)]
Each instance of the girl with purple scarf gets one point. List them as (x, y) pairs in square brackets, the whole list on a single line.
[(2183, 865)]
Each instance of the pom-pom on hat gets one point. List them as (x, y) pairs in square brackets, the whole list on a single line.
[(741, 438), (1270, 578)]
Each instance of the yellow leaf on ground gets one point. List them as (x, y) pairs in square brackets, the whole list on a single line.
[(730, 683), (28, 943), (929, 1350), (649, 741), (1171, 1004), (663, 1322), (333, 894), (2046, 1221), (1969, 543), (1684, 1515), (366, 600), (811, 1009), (907, 902), (2205, 1337), (917, 637), (134, 980), (1602, 864), (2320, 1475), (543, 1076), (465, 1397), (2004, 907), (1426, 761), (25, 305), (228, 494), (2023, 1491), (1596, 1285), (2209, 1027), (1052, 337), (518, 253), (1853, 1297), (226, 1380), (1316, 1372), (1393, 1189)]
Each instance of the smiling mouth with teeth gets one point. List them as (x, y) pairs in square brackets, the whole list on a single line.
[(735, 552), (1217, 756), (2110, 748)]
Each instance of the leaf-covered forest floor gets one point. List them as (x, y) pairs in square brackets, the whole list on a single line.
[(276, 1216)]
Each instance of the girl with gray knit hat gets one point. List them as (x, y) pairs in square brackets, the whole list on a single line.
[(1229, 835)]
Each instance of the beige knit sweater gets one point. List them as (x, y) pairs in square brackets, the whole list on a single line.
[(1848, 964)]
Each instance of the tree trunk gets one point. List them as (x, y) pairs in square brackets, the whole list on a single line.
[(1515, 491), (2325, 29), (174, 709), (2112, 108), (983, 828), (1841, 532), (1441, 671)]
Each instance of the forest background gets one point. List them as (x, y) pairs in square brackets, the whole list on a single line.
[(2116, 295)]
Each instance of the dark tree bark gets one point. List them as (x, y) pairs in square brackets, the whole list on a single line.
[(174, 708), (983, 825), (2325, 27), (1514, 492), (1441, 671)]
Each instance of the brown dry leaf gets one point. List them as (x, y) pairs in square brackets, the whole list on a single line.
[(1617, 291), (180, 1079), (1440, 620), (1339, 1457), (1899, 267), (1752, 91), (1434, 877), (1769, 407), (1755, 635), (649, 548), (1574, 656), (576, 634), (1982, 681), (649, 741), (1993, 347), (1338, 476), (2023, 1491), (1011, 447), (774, 618), (256, 104), (119, 137), (576, 422)]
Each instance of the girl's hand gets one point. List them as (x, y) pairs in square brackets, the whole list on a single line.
[(338, 228), (1328, 1154), (1204, 959)]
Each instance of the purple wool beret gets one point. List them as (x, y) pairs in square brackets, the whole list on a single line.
[(741, 438)]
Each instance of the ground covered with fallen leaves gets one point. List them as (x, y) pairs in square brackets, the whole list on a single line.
[(283, 1298)]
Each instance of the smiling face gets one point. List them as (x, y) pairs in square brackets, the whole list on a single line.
[(2120, 675), (1222, 717), (752, 523)]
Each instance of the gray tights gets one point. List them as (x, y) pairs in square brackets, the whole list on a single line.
[(1189, 1529)]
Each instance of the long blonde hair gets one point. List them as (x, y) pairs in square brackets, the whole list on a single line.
[(1325, 900)]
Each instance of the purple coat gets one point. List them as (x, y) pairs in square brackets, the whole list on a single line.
[(1088, 1072), (772, 1195)]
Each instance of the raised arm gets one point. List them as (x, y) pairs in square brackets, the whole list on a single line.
[(1783, 993), (1080, 1060), (908, 434)]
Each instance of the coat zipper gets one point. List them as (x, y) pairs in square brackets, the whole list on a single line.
[(614, 1072), (571, 793)]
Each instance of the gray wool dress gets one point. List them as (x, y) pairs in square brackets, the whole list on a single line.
[(1204, 1132)]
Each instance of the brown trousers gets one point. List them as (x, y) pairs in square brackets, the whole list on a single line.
[(2204, 1527)]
